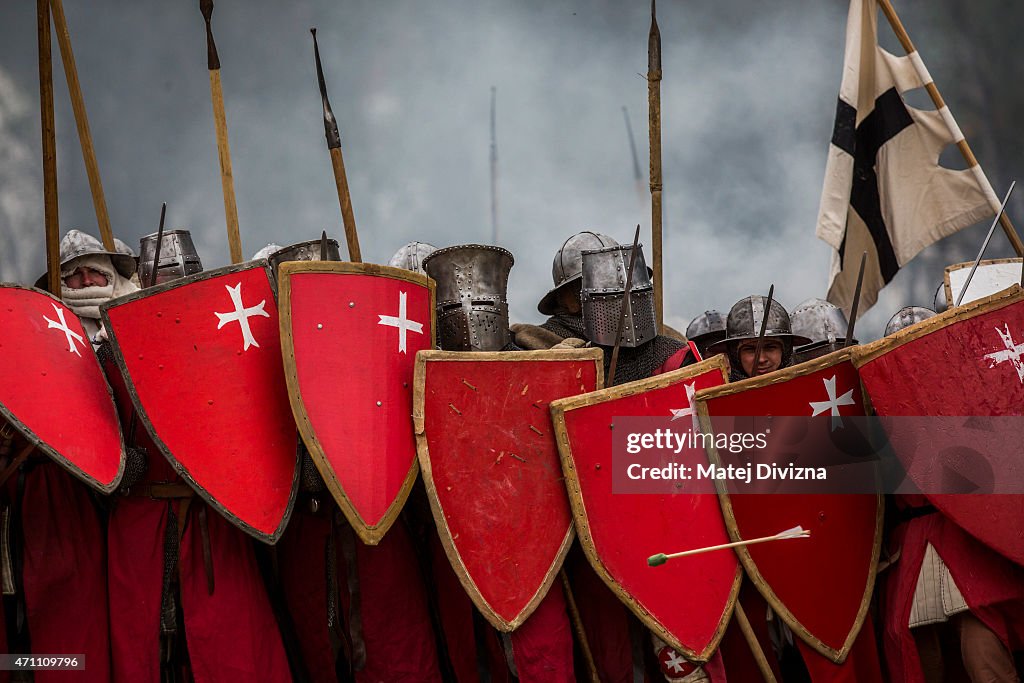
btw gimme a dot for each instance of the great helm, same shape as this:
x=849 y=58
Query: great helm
x=907 y=316
x=410 y=257
x=823 y=323
x=303 y=251
x=745 y=318
x=568 y=264
x=178 y=257
x=603 y=296
x=706 y=329
x=472 y=286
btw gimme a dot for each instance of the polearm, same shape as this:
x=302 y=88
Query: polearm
x=50 y=215
x=654 y=125
x=856 y=300
x=637 y=175
x=337 y=161
x=156 y=249
x=754 y=372
x=622 y=311
x=494 y=165
x=92 y=169
x=984 y=245
x=951 y=125
x=227 y=180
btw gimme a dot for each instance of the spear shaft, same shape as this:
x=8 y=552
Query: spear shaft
x=49 y=138
x=654 y=126
x=220 y=122
x=754 y=371
x=337 y=161
x=494 y=165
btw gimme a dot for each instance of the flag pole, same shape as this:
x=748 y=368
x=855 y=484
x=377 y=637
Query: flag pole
x=50 y=215
x=654 y=126
x=227 y=179
x=951 y=125
x=92 y=169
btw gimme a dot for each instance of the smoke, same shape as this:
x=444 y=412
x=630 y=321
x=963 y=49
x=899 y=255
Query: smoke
x=748 y=98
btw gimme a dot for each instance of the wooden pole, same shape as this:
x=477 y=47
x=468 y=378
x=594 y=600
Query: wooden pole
x=337 y=162
x=654 y=128
x=227 y=180
x=92 y=169
x=755 y=647
x=577 y=623
x=50 y=210
x=961 y=142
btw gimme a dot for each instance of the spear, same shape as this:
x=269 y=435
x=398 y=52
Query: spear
x=760 y=336
x=856 y=300
x=623 y=309
x=220 y=121
x=984 y=246
x=795 y=532
x=156 y=250
x=50 y=215
x=494 y=165
x=92 y=169
x=654 y=125
x=637 y=176
x=337 y=162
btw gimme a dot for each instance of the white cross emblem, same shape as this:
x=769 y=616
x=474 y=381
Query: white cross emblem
x=680 y=413
x=1011 y=352
x=241 y=315
x=833 y=403
x=403 y=324
x=71 y=337
x=675 y=662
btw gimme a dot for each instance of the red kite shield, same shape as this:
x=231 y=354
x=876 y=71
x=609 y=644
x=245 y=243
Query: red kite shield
x=490 y=463
x=350 y=335
x=54 y=391
x=820 y=586
x=964 y=362
x=201 y=357
x=688 y=601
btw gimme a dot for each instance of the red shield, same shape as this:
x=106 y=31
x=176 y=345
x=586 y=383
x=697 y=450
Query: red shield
x=820 y=586
x=53 y=390
x=201 y=358
x=966 y=361
x=688 y=601
x=350 y=335
x=490 y=464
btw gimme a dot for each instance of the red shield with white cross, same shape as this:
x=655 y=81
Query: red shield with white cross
x=53 y=390
x=350 y=333
x=490 y=464
x=201 y=357
x=820 y=585
x=967 y=361
x=688 y=601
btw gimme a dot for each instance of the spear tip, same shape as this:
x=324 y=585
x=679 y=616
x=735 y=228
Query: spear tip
x=313 y=31
x=206 y=7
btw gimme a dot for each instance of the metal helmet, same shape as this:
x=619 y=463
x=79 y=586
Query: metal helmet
x=603 y=292
x=410 y=257
x=266 y=251
x=77 y=243
x=178 y=257
x=823 y=323
x=568 y=264
x=706 y=329
x=745 y=318
x=907 y=316
x=472 y=305
x=303 y=251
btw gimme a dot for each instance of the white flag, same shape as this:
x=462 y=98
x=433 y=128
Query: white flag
x=884 y=190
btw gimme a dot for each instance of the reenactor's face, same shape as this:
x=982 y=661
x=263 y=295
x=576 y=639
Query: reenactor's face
x=85 y=277
x=569 y=299
x=771 y=356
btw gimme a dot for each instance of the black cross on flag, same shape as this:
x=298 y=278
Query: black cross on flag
x=884 y=190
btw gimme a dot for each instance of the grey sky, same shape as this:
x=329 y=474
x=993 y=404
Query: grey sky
x=748 y=101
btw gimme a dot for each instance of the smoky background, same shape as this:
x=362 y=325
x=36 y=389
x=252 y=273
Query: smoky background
x=748 y=100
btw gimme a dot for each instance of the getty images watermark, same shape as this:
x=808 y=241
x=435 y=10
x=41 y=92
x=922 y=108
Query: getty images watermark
x=815 y=455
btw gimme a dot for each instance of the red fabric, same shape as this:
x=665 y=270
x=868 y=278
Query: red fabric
x=674 y=362
x=542 y=646
x=992 y=586
x=302 y=561
x=397 y=631
x=605 y=621
x=861 y=665
x=740 y=664
x=65 y=573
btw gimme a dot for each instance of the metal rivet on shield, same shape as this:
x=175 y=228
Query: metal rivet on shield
x=159 y=314
x=210 y=402
x=405 y=384
x=160 y=367
x=351 y=304
x=379 y=404
x=140 y=356
x=44 y=373
x=319 y=326
x=597 y=466
x=177 y=320
x=821 y=516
